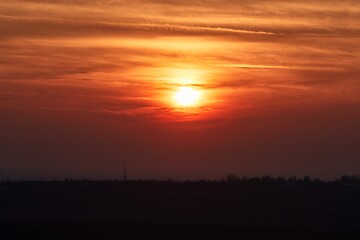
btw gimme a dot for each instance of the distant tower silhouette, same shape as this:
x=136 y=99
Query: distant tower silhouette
x=125 y=173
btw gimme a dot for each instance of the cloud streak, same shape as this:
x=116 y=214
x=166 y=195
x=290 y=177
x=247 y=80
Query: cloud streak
x=123 y=26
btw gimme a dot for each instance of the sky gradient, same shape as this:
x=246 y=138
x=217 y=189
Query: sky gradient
x=88 y=85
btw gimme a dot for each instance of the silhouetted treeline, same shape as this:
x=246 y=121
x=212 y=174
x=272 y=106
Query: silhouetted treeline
x=349 y=179
x=230 y=178
x=345 y=179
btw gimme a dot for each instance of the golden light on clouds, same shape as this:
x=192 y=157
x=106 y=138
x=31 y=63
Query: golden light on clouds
x=158 y=57
x=245 y=75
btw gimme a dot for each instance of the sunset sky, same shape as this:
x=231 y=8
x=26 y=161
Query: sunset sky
x=187 y=89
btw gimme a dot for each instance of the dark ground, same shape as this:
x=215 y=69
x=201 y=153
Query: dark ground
x=173 y=210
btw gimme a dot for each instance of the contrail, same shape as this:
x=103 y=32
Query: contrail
x=133 y=26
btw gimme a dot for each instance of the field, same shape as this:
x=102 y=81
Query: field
x=182 y=210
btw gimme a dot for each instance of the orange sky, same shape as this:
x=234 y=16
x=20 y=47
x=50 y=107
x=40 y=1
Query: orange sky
x=86 y=85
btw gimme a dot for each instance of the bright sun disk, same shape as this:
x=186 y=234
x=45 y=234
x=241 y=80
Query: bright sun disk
x=187 y=96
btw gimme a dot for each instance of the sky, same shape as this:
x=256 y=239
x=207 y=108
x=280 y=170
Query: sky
x=86 y=86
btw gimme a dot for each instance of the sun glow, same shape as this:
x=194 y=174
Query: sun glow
x=187 y=97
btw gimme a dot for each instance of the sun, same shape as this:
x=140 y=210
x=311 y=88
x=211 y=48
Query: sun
x=187 y=97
